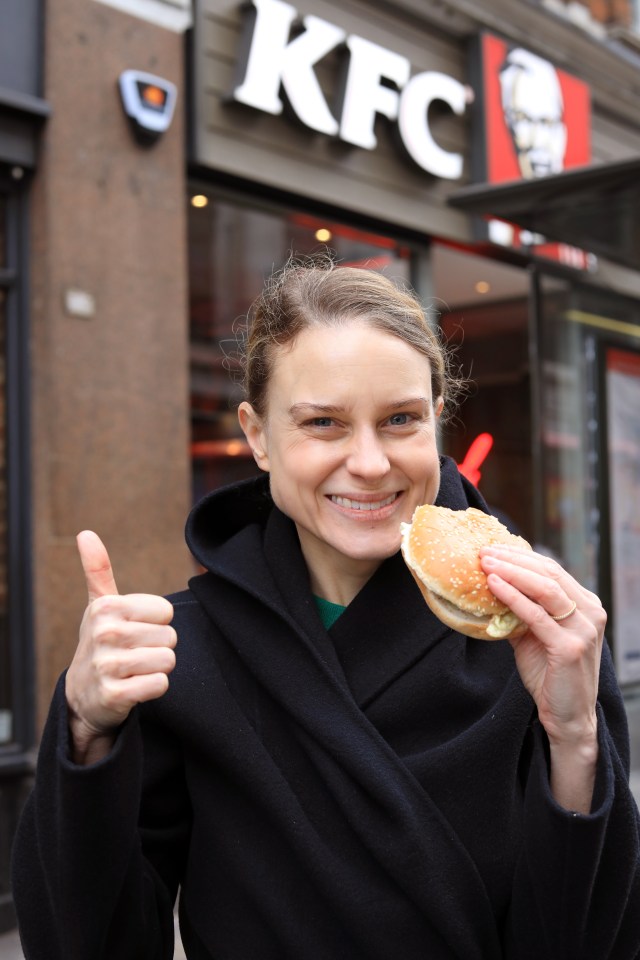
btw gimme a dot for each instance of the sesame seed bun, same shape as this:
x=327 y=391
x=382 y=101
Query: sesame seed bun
x=441 y=548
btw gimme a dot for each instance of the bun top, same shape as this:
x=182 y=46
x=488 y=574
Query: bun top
x=442 y=547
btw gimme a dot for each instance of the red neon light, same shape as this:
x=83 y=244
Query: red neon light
x=475 y=457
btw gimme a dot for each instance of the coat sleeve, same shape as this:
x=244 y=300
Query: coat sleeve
x=91 y=880
x=576 y=893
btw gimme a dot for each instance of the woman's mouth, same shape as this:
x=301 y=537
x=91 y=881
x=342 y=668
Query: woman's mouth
x=365 y=505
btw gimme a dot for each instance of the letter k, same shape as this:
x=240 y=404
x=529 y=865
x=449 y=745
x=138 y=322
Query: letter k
x=274 y=61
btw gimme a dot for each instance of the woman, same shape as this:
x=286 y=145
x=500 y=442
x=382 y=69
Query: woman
x=330 y=772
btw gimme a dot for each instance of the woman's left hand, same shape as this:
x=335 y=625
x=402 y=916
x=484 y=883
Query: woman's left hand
x=558 y=658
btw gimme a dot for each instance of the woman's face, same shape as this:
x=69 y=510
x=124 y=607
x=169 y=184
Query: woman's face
x=349 y=440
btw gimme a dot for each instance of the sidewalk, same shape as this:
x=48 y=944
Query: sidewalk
x=10 y=946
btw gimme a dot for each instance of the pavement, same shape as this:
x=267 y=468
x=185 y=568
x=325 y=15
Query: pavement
x=10 y=946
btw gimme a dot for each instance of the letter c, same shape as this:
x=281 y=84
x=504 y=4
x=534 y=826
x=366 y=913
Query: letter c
x=413 y=121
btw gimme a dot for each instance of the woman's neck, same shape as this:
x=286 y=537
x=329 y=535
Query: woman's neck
x=337 y=579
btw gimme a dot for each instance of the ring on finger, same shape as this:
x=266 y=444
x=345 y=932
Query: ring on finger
x=563 y=616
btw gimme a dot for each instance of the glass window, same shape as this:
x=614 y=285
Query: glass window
x=6 y=725
x=580 y=327
x=233 y=248
x=483 y=307
x=3 y=215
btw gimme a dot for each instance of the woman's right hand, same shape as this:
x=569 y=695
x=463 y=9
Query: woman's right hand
x=124 y=655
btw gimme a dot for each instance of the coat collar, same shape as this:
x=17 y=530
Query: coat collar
x=387 y=626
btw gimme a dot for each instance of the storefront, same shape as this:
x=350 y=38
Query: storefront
x=393 y=134
x=22 y=113
x=316 y=127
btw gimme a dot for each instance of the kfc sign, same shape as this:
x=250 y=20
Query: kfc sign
x=378 y=81
x=533 y=120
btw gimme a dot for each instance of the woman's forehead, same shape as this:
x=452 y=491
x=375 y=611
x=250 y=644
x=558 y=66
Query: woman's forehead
x=340 y=362
x=351 y=343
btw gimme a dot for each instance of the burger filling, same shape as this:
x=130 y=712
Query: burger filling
x=498 y=626
x=501 y=624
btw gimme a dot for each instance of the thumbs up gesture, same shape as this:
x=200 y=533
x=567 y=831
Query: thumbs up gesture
x=124 y=655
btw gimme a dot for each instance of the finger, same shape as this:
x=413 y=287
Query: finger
x=136 y=608
x=137 y=662
x=128 y=635
x=544 y=590
x=126 y=693
x=524 y=603
x=96 y=565
x=541 y=564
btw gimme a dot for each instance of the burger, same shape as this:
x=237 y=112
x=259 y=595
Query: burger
x=441 y=548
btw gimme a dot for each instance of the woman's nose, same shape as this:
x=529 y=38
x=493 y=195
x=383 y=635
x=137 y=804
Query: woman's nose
x=367 y=457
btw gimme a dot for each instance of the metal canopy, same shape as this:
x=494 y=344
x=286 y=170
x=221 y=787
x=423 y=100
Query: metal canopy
x=595 y=208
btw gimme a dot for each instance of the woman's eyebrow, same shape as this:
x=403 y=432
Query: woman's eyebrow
x=409 y=402
x=306 y=408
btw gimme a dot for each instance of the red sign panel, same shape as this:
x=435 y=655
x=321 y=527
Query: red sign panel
x=533 y=120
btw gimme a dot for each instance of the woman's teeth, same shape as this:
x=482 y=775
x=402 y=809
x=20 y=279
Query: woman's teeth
x=363 y=504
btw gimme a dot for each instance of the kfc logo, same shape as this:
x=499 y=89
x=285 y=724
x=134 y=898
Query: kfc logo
x=533 y=120
x=282 y=52
x=533 y=110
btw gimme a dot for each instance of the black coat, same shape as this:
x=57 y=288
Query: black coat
x=375 y=792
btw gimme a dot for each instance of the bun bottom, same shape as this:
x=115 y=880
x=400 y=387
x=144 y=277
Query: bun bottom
x=459 y=620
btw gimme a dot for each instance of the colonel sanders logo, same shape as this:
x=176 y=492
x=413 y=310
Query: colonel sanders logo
x=533 y=109
x=534 y=120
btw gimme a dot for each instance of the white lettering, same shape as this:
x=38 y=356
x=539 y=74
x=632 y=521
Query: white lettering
x=413 y=121
x=274 y=61
x=364 y=95
x=277 y=62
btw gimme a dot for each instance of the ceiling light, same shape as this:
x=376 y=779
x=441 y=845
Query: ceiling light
x=323 y=235
x=234 y=448
x=482 y=286
x=199 y=200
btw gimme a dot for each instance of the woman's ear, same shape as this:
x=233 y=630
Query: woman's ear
x=254 y=430
x=438 y=407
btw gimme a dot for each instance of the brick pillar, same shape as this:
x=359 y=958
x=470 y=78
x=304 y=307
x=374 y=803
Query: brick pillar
x=110 y=389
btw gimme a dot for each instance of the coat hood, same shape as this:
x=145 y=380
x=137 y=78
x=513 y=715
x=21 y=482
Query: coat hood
x=223 y=513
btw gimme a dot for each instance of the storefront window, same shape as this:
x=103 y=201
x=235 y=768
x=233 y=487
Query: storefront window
x=233 y=248
x=483 y=307
x=591 y=449
x=6 y=725
x=569 y=425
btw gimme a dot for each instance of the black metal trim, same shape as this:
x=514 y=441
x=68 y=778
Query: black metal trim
x=18 y=475
x=24 y=103
x=565 y=205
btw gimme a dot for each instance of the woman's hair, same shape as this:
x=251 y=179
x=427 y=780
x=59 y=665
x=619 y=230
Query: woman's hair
x=316 y=292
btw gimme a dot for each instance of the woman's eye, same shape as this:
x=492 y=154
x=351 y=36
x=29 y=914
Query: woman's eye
x=399 y=419
x=321 y=422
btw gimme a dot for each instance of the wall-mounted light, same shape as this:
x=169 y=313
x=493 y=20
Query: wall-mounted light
x=199 y=200
x=149 y=102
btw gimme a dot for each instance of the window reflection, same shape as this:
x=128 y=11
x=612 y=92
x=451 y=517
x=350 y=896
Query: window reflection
x=232 y=250
x=3 y=206
x=5 y=663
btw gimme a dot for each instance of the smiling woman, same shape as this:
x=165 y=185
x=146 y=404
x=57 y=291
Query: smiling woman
x=348 y=437
x=329 y=770
x=345 y=381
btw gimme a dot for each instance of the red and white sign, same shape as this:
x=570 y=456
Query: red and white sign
x=533 y=120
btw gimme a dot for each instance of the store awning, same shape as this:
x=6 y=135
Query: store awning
x=594 y=208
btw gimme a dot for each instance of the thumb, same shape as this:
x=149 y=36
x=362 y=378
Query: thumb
x=96 y=565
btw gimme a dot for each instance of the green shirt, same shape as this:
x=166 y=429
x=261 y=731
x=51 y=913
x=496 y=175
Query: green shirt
x=329 y=612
